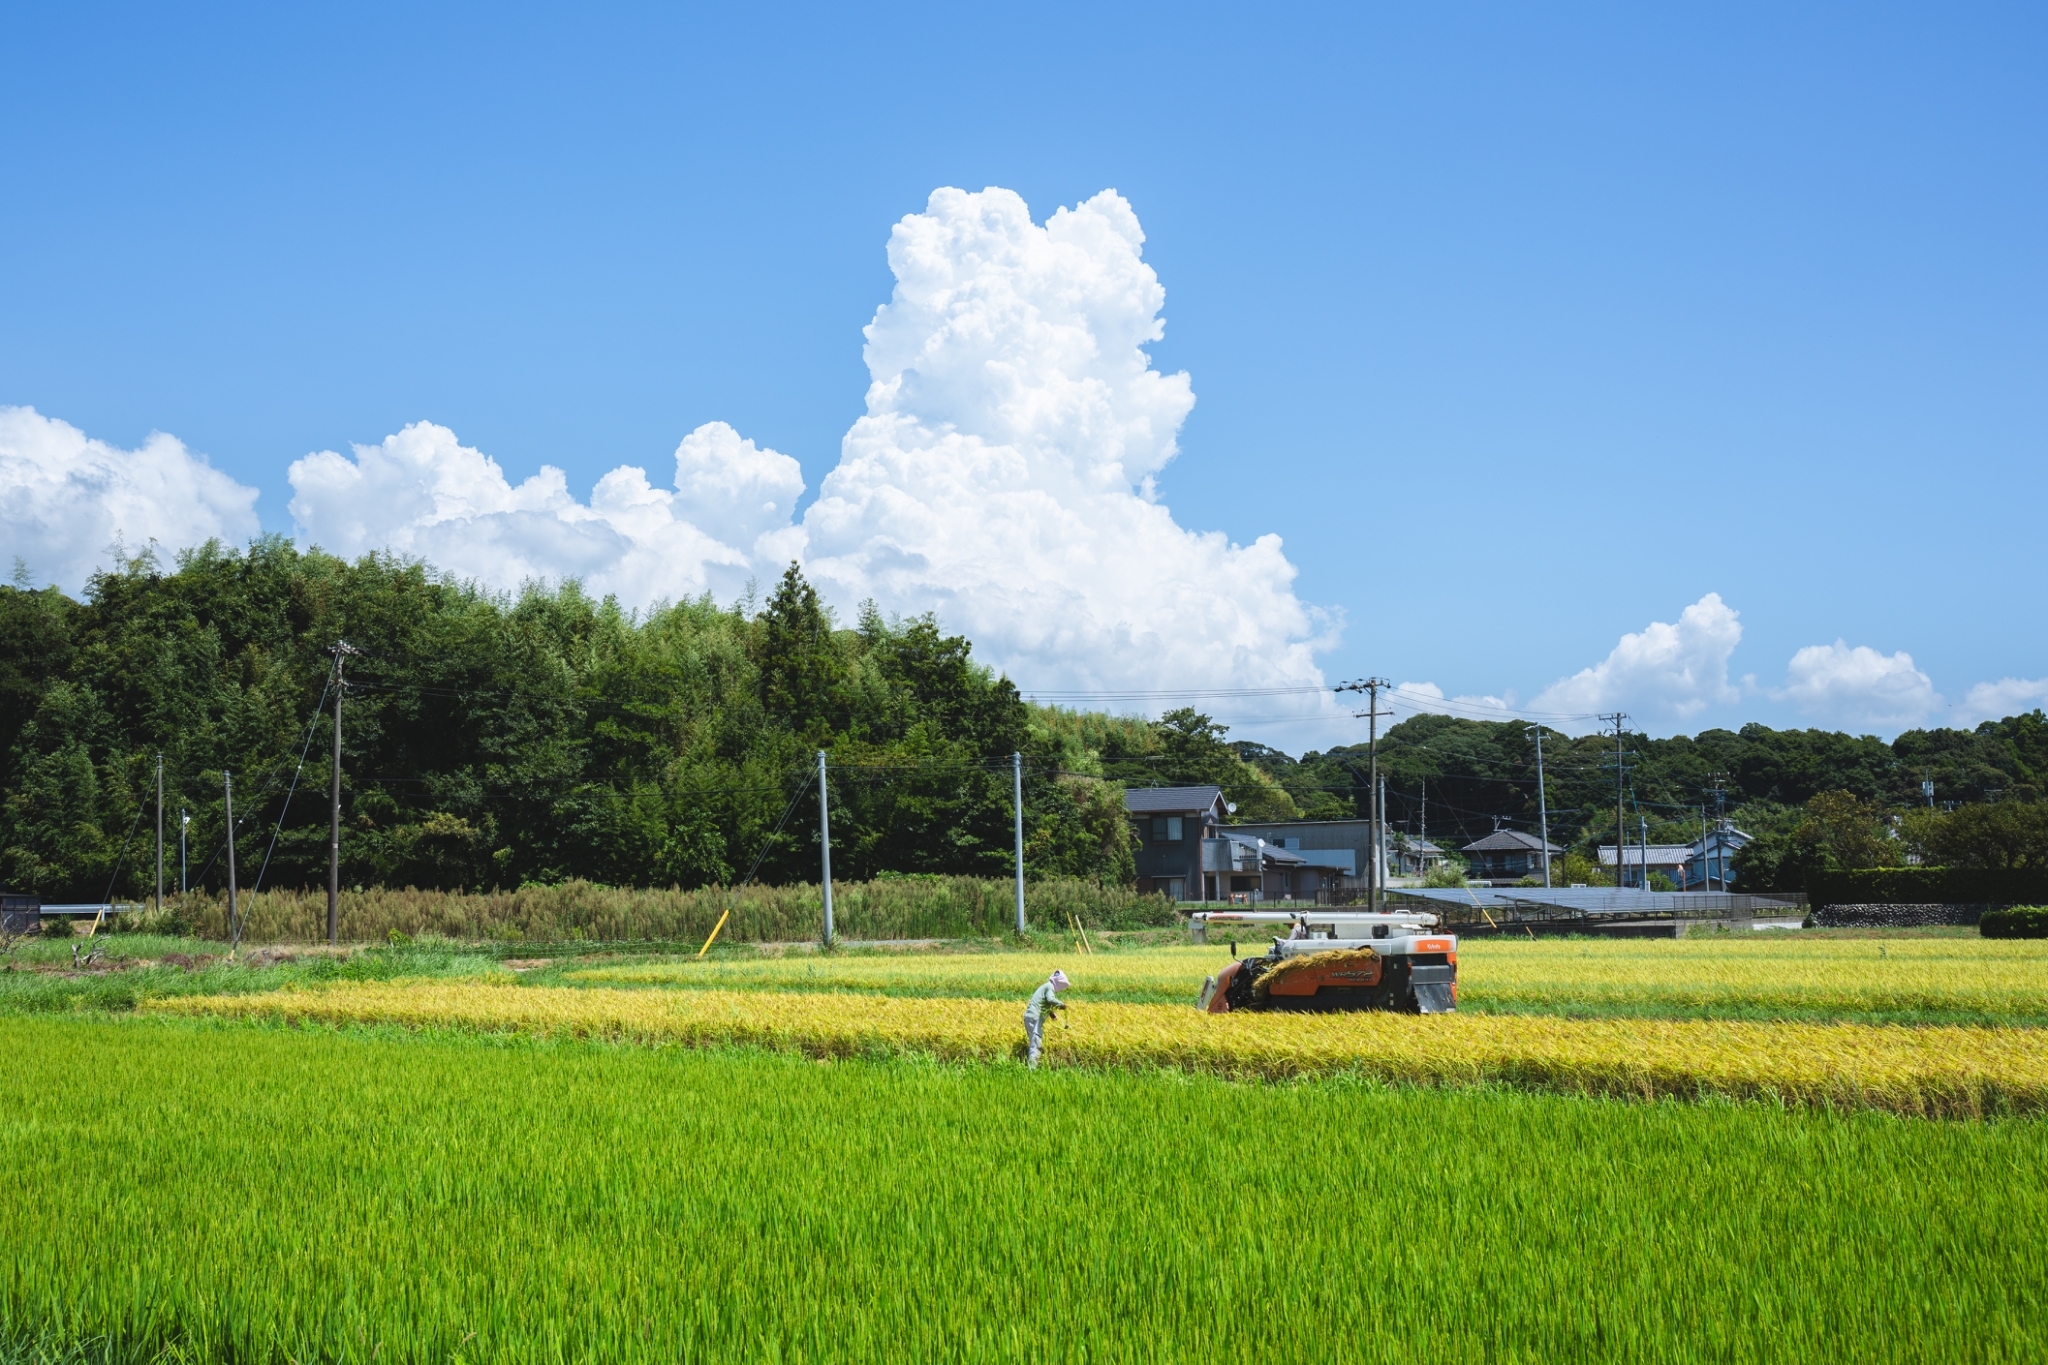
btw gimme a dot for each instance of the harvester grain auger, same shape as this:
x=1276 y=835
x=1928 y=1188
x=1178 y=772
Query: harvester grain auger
x=1338 y=960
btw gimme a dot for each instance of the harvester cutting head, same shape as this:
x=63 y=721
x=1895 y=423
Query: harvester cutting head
x=1341 y=961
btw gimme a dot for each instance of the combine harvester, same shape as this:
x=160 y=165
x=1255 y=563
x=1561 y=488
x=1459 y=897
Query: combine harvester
x=1338 y=960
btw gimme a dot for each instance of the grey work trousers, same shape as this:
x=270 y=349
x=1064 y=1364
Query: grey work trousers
x=1034 y=1033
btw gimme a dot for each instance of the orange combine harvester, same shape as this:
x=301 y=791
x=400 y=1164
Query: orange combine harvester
x=1338 y=960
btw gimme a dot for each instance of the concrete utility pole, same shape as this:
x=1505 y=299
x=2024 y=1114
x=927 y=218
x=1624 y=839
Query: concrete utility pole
x=1706 y=877
x=1720 y=799
x=159 y=834
x=342 y=649
x=825 y=845
x=184 y=826
x=1620 y=817
x=1643 y=868
x=1542 y=809
x=1017 y=802
x=1375 y=891
x=1381 y=870
x=234 y=909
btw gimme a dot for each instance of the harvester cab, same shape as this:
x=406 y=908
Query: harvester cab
x=1339 y=960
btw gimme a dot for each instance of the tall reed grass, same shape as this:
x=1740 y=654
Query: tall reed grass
x=889 y=908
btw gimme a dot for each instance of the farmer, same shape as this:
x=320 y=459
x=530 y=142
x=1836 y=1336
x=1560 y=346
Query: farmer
x=1044 y=999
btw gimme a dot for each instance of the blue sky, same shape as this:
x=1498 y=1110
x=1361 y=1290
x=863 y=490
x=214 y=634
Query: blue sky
x=1523 y=327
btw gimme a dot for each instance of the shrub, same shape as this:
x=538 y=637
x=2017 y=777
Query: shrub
x=2022 y=921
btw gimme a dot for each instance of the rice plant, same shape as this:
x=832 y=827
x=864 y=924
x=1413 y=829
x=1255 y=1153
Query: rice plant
x=1933 y=1071
x=197 y=1192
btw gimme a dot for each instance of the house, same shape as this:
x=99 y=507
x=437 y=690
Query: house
x=1668 y=859
x=1342 y=845
x=1172 y=825
x=1506 y=856
x=1414 y=857
x=1710 y=869
x=1185 y=852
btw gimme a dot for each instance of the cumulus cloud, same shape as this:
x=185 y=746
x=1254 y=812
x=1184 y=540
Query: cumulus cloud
x=1858 y=686
x=1426 y=698
x=422 y=492
x=1003 y=473
x=1668 y=671
x=1002 y=477
x=66 y=500
x=1997 y=700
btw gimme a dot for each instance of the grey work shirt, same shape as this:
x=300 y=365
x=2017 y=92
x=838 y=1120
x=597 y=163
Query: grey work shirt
x=1040 y=998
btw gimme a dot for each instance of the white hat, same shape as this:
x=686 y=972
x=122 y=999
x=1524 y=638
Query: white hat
x=1059 y=979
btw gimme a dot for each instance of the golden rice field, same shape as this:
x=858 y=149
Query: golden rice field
x=1930 y=1071
x=1942 y=979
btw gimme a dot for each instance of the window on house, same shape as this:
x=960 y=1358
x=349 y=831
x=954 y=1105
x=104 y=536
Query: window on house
x=1166 y=829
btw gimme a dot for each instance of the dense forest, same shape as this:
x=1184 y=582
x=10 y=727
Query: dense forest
x=496 y=741
x=502 y=740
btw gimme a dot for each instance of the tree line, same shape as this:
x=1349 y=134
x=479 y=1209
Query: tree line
x=500 y=740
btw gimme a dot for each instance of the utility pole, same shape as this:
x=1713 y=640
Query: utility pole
x=825 y=845
x=1643 y=868
x=1371 y=687
x=1017 y=801
x=159 y=834
x=1542 y=809
x=1620 y=819
x=1425 y=808
x=342 y=649
x=1720 y=801
x=234 y=910
x=1381 y=870
x=184 y=826
x=1706 y=880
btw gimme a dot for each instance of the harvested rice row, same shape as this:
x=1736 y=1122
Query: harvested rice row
x=1935 y=1072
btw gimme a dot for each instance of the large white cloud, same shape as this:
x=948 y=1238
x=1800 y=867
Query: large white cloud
x=1667 y=672
x=422 y=492
x=66 y=500
x=1846 y=685
x=1002 y=475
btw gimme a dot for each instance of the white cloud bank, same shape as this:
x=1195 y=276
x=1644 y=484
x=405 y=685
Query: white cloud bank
x=1858 y=686
x=1001 y=477
x=1667 y=672
x=67 y=500
x=423 y=493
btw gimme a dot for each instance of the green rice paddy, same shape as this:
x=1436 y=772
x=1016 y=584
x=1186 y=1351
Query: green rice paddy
x=182 y=1190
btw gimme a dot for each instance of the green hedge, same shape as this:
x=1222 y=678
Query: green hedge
x=2024 y=921
x=1929 y=886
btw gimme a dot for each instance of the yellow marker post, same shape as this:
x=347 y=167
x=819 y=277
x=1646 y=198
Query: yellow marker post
x=714 y=932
